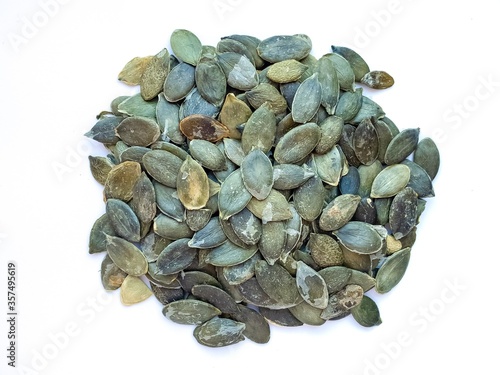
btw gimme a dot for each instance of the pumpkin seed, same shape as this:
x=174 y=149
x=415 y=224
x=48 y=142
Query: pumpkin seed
x=392 y=271
x=366 y=313
x=126 y=256
x=186 y=46
x=219 y=332
x=133 y=290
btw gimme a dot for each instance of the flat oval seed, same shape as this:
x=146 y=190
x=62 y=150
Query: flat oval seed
x=330 y=87
x=239 y=70
x=192 y=185
x=97 y=239
x=307 y=100
x=143 y=202
x=309 y=198
x=390 y=181
x=377 y=79
x=216 y=297
x=286 y=71
x=219 y=332
x=365 y=142
x=123 y=220
x=121 y=180
x=290 y=176
x=358 y=64
x=336 y=277
x=175 y=257
x=100 y=167
x=137 y=106
x=207 y=154
x=203 y=127
x=171 y=229
x=210 y=236
x=234 y=112
x=133 y=290
x=265 y=93
x=339 y=211
x=359 y=237
x=179 y=82
x=367 y=313
x=257 y=174
x=392 y=271
x=419 y=181
x=256 y=327
x=210 y=81
x=104 y=130
x=229 y=254
x=273 y=208
x=246 y=226
x=126 y=256
x=186 y=46
x=168 y=201
x=403 y=212
x=331 y=131
x=284 y=47
x=259 y=131
x=325 y=251
x=138 y=131
x=427 y=156
x=163 y=166
x=154 y=75
x=299 y=142
x=401 y=146
x=277 y=283
x=190 y=311
x=272 y=241
x=233 y=196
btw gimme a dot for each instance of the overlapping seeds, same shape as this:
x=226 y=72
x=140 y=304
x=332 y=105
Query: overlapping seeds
x=252 y=183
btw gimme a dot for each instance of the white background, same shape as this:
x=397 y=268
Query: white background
x=58 y=69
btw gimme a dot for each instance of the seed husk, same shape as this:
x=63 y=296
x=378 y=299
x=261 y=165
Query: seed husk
x=132 y=71
x=299 y=142
x=112 y=276
x=192 y=185
x=359 y=237
x=175 y=257
x=257 y=174
x=367 y=313
x=286 y=71
x=401 y=146
x=186 y=46
x=126 y=256
x=123 y=220
x=219 y=332
x=162 y=166
x=284 y=47
x=121 y=180
x=133 y=290
x=179 y=82
x=203 y=127
x=392 y=271
x=155 y=71
x=403 y=212
x=427 y=156
x=390 y=181
x=307 y=100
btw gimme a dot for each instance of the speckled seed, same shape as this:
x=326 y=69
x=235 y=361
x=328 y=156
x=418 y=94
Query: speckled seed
x=277 y=283
x=126 y=256
x=311 y=286
x=257 y=174
x=154 y=74
x=403 y=212
x=299 y=142
x=190 y=311
x=267 y=93
x=175 y=257
x=427 y=156
x=286 y=71
x=272 y=241
x=365 y=142
x=307 y=100
x=259 y=130
x=219 y=332
x=331 y=131
x=203 y=127
x=340 y=303
x=390 y=181
x=234 y=112
x=121 y=180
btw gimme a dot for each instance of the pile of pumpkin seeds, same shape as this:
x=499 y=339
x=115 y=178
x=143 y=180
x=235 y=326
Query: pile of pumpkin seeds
x=251 y=183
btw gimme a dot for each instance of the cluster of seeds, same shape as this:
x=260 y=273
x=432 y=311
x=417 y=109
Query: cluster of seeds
x=251 y=183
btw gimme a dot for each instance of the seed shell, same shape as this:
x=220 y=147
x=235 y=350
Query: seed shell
x=126 y=256
x=133 y=290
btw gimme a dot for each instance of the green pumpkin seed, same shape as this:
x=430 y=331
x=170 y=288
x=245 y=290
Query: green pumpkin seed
x=338 y=212
x=251 y=43
x=280 y=317
x=210 y=81
x=168 y=201
x=299 y=142
x=311 y=286
x=290 y=176
x=286 y=71
x=307 y=100
x=427 y=156
x=121 y=180
x=403 y=212
x=331 y=131
x=186 y=46
x=390 y=181
x=277 y=283
x=329 y=166
x=359 y=237
x=195 y=104
x=242 y=272
x=166 y=295
x=123 y=220
x=190 y=311
x=239 y=70
x=401 y=146
x=179 y=82
x=246 y=226
x=309 y=197
x=336 y=277
x=345 y=73
x=273 y=208
x=265 y=93
x=175 y=257
x=137 y=106
x=97 y=239
x=171 y=229
x=365 y=142
x=210 y=236
x=259 y=130
x=100 y=167
x=419 y=181
x=234 y=112
x=207 y=154
x=252 y=293
x=257 y=174
x=229 y=254
x=357 y=63
x=215 y=296
x=272 y=241
x=392 y=271
x=162 y=166
x=219 y=332
x=203 y=127
x=330 y=87
x=284 y=47
x=307 y=314
x=367 y=313
x=167 y=116
x=233 y=196
x=126 y=256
